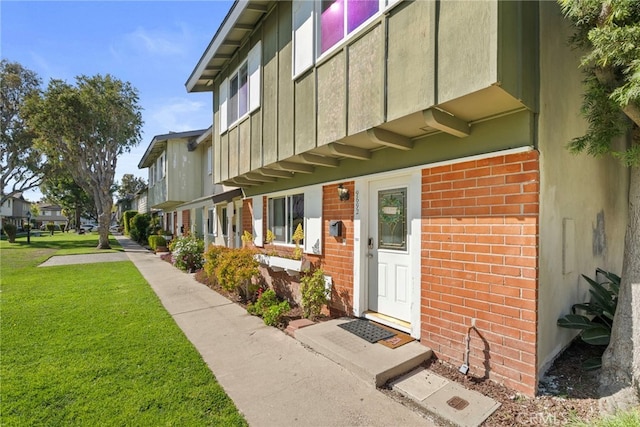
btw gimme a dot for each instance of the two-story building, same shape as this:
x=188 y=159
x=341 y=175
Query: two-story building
x=14 y=211
x=181 y=189
x=422 y=146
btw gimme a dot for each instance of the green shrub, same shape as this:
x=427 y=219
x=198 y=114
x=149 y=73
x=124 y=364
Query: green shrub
x=212 y=258
x=140 y=223
x=269 y=308
x=51 y=227
x=10 y=230
x=155 y=241
x=236 y=269
x=126 y=220
x=187 y=253
x=314 y=294
x=596 y=329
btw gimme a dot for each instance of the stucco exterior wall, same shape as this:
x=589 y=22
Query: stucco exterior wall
x=583 y=200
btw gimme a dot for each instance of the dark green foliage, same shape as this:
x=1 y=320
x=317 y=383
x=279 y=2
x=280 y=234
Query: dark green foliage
x=155 y=241
x=269 y=308
x=10 y=230
x=126 y=219
x=597 y=320
x=138 y=227
x=610 y=34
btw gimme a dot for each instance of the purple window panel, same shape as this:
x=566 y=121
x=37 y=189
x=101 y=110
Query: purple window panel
x=331 y=23
x=359 y=11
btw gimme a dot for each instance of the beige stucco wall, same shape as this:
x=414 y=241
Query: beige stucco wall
x=583 y=200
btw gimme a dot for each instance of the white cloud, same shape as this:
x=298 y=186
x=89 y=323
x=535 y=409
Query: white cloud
x=177 y=115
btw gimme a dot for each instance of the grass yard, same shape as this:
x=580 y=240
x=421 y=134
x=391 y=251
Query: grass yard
x=92 y=345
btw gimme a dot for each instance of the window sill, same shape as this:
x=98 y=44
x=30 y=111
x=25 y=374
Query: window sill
x=293 y=267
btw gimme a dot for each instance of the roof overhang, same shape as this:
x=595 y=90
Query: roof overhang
x=239 y=22
x=159 y=144
x=227 y=196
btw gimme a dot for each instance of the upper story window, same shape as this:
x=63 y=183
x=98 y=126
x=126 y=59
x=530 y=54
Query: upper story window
x=322 y=24
x=240 y=92
x=209 y=160
x=284 y=214
x=152 y=174
x=160 y=170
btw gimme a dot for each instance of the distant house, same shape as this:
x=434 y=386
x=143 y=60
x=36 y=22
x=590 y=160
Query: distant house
x=421 y=145
x=50 y=213
x=14 y=211
x=181 y=191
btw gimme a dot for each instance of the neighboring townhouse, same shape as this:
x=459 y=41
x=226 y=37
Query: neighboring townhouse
x=141 y=200
x=50 y=214
x=181 y=189
x=14 y=211
x=422 y=146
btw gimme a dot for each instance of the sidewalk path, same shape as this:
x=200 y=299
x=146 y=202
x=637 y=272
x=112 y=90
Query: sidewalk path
x=271 y=377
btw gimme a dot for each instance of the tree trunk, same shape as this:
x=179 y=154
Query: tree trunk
x=104 y=205
x=620 y=375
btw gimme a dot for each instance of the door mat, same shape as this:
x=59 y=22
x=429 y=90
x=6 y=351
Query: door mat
x=399 y=338
x=366 y=330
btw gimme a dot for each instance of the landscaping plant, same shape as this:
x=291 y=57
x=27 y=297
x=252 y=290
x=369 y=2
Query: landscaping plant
x=187 y=253
x=297 y=237
x=599 y=312
x=269 y=308
x=156 y=241
x=212 y=258
x=314 y=294
x=10 y=230
x=236 y=271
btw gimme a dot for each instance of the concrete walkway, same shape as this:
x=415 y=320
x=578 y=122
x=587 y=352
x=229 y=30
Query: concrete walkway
x=273 y=379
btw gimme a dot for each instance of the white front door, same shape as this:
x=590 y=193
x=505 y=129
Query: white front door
x=389 y=279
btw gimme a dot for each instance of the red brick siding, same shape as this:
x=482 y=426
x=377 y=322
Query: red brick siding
x=247 y=216
x=337 y=261
x=480 y=260
x=186 y=221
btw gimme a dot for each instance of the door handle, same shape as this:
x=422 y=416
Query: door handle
x=370 y=243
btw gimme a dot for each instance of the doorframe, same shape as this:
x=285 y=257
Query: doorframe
x=361 y=224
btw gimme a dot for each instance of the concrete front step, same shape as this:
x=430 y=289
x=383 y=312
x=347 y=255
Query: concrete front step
x=374 y=363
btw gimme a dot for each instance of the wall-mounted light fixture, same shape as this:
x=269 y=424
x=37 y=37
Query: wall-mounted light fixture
x=343 y=193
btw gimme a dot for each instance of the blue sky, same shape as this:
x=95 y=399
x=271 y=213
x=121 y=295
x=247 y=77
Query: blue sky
x=154 y=45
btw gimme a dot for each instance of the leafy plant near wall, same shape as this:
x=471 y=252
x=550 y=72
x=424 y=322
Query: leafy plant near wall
x=599 y=312
x=270 y=237
x=269 y=308
x=212 y=258
x=314 y=294
x=187 y=253
x=298 y=236
x=156 y=241
x=236 y=270
x=246 y=237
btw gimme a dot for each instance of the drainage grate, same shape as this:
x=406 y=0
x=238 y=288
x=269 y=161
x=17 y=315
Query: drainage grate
x=458 y=403
x=367 y=330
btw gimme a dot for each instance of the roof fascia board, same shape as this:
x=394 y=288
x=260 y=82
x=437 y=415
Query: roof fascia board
x=217 y=41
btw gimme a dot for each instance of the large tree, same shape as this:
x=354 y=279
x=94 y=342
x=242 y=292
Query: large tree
x=22 y=166
x=130 y=185
x=609 y=33
x=86 y=127
x=61 y=189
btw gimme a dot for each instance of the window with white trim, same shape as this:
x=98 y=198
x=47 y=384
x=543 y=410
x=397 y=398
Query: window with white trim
x=322 y=24
x=152 y=174
x=240 y=92
x=212 y=222
x=284 y=213
x=209 y=160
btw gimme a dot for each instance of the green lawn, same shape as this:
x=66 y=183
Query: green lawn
x=92 y=345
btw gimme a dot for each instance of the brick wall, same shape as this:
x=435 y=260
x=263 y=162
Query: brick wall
x=338 y=251
x=186 y=221
x=479 y=261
